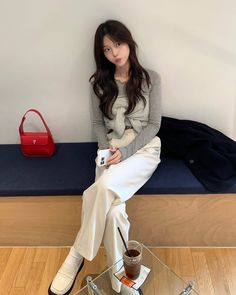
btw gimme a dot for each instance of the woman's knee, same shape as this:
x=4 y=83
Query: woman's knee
x=99 y=191
x=117 y=214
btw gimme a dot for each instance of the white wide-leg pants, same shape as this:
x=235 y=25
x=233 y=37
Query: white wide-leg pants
x=104 y=207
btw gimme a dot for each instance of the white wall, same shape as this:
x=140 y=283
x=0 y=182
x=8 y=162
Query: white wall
x=46 y=59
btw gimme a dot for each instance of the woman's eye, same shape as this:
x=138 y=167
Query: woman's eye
x=106 y=50
x=118 y=44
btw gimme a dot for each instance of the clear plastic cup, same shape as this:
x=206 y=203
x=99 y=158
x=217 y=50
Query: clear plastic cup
x=132 y=263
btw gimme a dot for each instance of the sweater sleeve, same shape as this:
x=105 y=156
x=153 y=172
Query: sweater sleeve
x=98 y=121
x=154 y=122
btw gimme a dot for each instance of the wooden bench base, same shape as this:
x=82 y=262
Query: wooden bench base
x=156 y=220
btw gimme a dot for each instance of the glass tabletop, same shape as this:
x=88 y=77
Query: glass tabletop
x=160 y=281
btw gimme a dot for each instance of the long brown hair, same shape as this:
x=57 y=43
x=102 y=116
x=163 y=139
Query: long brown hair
x=104 y=84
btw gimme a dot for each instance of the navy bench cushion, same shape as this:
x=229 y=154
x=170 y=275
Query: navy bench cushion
x=72 y=169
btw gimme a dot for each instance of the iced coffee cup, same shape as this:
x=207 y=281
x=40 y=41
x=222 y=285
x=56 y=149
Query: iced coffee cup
x=132 y=259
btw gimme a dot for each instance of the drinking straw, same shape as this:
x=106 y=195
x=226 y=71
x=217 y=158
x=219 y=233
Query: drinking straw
x=124 y=242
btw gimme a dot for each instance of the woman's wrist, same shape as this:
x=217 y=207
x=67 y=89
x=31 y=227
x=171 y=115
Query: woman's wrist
x=116 y=156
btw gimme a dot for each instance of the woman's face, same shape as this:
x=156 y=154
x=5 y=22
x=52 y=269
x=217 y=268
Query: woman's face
x=116 y=52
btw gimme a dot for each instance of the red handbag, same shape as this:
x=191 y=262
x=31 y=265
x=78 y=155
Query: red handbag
x=36 y=144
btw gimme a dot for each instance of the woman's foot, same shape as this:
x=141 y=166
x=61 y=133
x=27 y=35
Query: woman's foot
x=64 y=280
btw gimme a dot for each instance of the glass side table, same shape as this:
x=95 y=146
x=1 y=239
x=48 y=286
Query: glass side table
x=160 y=281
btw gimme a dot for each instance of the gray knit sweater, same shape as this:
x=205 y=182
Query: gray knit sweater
x=144 y=120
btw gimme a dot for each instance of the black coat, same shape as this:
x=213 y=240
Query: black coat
x=210 y=155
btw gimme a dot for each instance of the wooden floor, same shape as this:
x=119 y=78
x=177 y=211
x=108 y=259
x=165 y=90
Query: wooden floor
x=29 y=271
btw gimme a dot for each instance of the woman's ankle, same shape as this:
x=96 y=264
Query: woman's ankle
x=73 y=258
x=75 y=253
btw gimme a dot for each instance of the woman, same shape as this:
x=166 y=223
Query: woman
x=126 y=104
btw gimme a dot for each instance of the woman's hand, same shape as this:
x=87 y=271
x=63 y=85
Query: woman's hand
x=115 y=158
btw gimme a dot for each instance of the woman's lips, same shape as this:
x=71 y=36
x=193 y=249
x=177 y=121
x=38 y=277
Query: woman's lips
x=118 y=60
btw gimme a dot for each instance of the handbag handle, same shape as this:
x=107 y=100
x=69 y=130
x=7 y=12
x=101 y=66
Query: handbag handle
x=21 y=130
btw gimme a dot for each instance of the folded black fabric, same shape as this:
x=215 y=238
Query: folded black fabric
x=210 y=155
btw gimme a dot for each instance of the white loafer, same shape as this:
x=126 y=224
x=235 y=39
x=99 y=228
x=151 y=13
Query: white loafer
x=64 y=280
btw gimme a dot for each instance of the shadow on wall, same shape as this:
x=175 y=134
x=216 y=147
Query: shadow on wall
x=196 y=42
